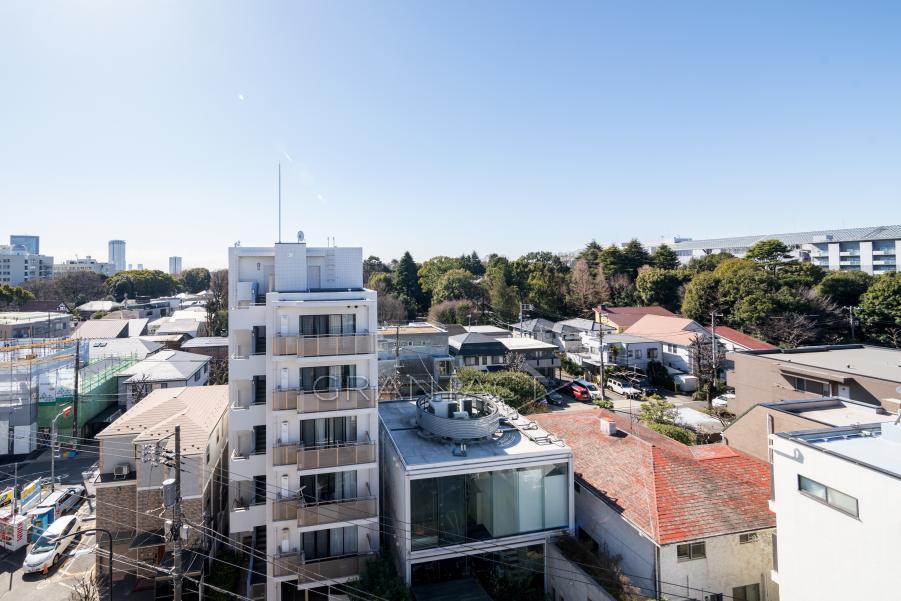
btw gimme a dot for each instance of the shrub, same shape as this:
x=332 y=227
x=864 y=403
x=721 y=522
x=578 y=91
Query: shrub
x=677 y=433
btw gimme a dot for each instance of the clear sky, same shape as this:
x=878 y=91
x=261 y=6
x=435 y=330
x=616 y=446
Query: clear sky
x=442 y=127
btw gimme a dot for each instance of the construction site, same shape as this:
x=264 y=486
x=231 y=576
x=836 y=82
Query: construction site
x=40 y=384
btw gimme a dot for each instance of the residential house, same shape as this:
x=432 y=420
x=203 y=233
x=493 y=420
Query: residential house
x=478 y=485
x=88 y=309
x=568 y=333
x=303 y=377
x=34 y=324
x=868 y=374
x=836 y=495
x=128 y=489
x=751 y=431
x=538 y=329
x=122 y=348
x=676 y=335
x=414 y=357
x=215 y=347
x=688 y=522
x=537 y=358
x=163 y=369
x=620 y=319
x=170 y=341
x=490 y=331
x=111 y=328
x=478 y=351
x=622 y=350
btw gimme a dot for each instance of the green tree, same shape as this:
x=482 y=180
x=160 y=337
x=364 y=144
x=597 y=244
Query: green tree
x=658 y=411
x=455 y=284
x=800 y=275
x=372 y=265
x=541 y=277
x=591 y=254
x=769 y=253
x=708 y=262
x=518 y=389
x=431 y=271
x=472 y=263
x=611 y=259
x=141 y=282
x=635 y=256
x=845 y=287
x=702 y=297
x=665 y=258
x=405 y=284
x=196 y=279
x=503 y=298
x=657 y=286
x=677 y=433
x=880 y=310
x=14 y=295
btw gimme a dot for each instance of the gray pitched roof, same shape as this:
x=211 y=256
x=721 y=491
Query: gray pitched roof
x=165 y=366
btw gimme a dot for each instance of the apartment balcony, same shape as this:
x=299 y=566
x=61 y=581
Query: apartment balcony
x=849 y=253
x=324 y=456
x=883 y=252
x=246 y=513
x=324 y=346
x=324 y=400
x=890 y=261
x=325 y=512
x=318 y=570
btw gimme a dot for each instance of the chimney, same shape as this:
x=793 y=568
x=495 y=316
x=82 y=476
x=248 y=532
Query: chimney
x=608 y=426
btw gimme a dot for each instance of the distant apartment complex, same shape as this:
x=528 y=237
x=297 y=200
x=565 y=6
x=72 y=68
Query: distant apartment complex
x=174 y=265
x=85 y=264
x=303 y=384
x=870 y=249
x=18 y=265
x=32 y=244
x=117 y=254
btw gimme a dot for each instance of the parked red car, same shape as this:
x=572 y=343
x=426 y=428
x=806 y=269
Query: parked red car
x=577 y=391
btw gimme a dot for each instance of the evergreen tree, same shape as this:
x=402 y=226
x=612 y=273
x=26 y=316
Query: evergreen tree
x=405 y=283
x=665 y=258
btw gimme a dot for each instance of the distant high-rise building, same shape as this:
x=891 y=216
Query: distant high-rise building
x=174 y=265
x=84 y=264
x=31 y=243
x=117 y=254
x=18 y=266
x=140 y=266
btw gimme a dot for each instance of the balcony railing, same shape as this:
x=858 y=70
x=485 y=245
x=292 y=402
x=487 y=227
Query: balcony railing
x=293 y=564
x=321 y=346
x=284 y=453
x=324 y=400
x=324 y=512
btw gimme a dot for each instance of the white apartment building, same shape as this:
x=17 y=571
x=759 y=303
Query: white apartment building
x=303 y=383
x=470 y=486
x=85 y=264
x=870 y=249
x=18 y=266
x=836 y=494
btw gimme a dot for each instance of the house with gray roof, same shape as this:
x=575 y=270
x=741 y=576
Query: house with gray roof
x=164 y=369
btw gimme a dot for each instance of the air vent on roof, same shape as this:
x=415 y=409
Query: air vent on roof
x=608 y=427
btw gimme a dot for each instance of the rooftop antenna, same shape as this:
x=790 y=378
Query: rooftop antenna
x=279 y=201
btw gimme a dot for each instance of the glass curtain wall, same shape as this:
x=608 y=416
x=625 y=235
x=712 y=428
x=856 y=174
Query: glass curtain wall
x=453 y=509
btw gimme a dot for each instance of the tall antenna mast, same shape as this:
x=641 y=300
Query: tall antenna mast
x=279 y=201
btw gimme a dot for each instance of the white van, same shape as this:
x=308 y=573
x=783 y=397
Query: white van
x=47 y=550
x=63 y=500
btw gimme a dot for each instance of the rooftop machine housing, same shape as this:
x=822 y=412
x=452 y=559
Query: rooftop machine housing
x=457 y=416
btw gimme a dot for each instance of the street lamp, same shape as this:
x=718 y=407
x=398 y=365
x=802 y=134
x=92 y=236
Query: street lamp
x=65 y=412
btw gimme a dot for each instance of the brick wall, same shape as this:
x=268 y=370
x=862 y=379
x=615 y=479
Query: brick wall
x=115 y=507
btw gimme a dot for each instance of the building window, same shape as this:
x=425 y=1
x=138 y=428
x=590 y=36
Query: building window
x=470 y=361
x=638 y=353
x=805 y=385
x=750 y=537
x=690 y=551
x=714 y=597
x=335 y=324
x=748 y=592
x=829 y=496
x=652 y=353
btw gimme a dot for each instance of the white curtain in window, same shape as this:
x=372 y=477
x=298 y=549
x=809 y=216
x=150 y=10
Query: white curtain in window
x=334 y=324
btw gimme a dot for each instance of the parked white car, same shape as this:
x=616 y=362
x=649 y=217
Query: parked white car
x=723 y=400
x=623 y=387
x=51 y=545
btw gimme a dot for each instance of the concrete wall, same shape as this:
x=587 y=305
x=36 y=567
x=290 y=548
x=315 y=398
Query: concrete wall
x=827 y=554
x=566 y=580
x=749 y=433
x=728 y=564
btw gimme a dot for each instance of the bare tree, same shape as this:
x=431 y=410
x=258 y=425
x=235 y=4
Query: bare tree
x=602 y=288
x=391 y=308
x=218 y=371
x=86 y=588
x=582 y=290
x=706 y=366
x=140 y=389
x=792 y=329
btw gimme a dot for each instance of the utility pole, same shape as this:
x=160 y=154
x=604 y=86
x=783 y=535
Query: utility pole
x=171 y=498
x=713 y=355
x=75 y=394
x=176 y=516
x=851 y=319
x=601 y=352
x=53 y=438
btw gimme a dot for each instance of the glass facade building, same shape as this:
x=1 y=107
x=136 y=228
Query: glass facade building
x=450 y=510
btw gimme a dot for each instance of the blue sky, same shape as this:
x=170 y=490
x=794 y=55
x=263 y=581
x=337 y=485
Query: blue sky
x=442 y=127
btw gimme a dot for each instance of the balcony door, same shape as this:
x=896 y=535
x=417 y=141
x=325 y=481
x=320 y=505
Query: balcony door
x=329 y=431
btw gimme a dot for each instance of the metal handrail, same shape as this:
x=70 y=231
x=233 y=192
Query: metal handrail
x=334 y=445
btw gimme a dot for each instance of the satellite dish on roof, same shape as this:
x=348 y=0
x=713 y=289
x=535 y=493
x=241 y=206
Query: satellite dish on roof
x=300 y=235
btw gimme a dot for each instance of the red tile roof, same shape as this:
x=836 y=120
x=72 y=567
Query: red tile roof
x=624 y=317
x=744 y=340
x=671 y=491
